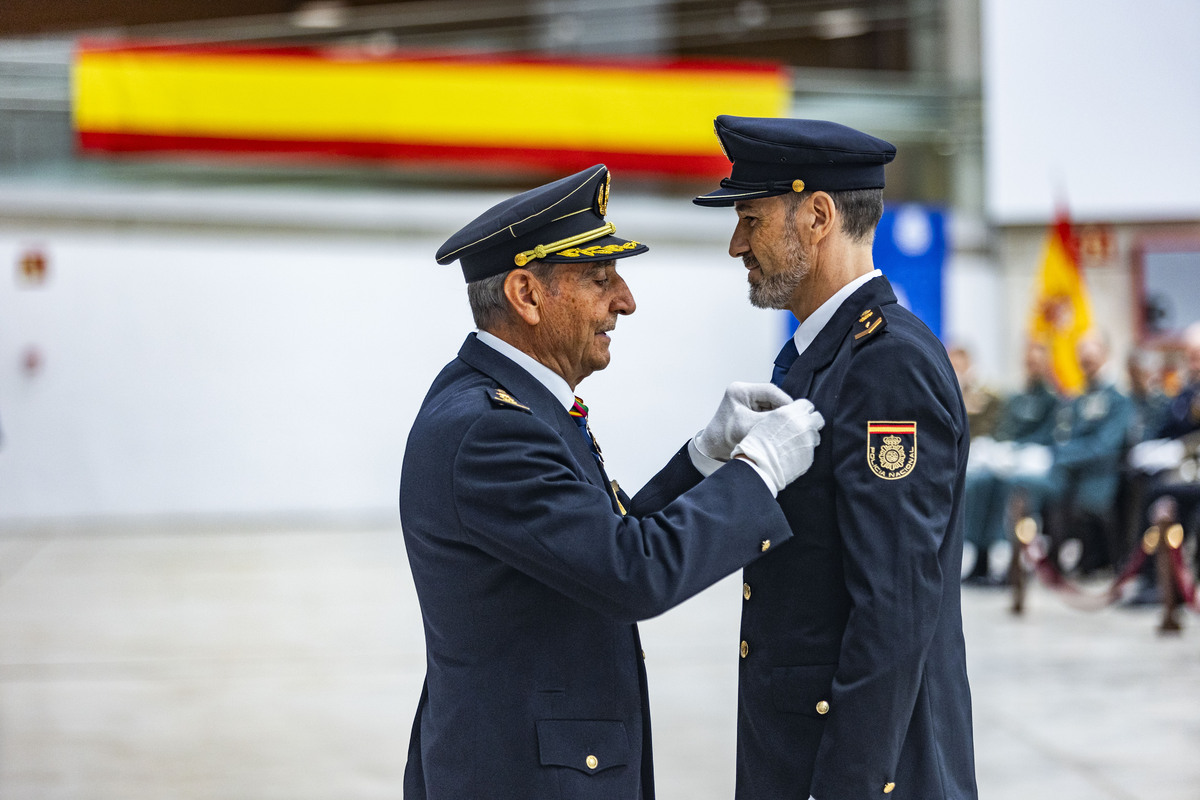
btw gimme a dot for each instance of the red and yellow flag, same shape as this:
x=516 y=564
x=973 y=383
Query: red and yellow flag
x=456 y=111
x=1061 y=311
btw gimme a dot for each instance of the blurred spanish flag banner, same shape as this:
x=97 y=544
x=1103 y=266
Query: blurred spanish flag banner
x=1061 y=311
x=454 y=111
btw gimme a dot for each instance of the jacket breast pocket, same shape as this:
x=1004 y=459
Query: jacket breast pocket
x=803 y=690
x=587 y=745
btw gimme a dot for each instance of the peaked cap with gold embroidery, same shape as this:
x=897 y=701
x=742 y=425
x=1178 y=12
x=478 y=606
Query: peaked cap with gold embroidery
x=561 y=222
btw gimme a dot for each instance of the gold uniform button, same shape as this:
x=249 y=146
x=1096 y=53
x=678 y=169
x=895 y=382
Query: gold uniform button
x=823 y=707
x=766 y=545
x=887 y=787
x=593 y=762
x=745 y=649
x=746 y=591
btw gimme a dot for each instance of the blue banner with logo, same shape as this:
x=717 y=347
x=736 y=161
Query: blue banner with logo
x=910 y=248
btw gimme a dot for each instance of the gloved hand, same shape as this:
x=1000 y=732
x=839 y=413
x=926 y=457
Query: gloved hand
x=1156 y=455
x=743 y=405
x=1033 y=460
x=782 y=444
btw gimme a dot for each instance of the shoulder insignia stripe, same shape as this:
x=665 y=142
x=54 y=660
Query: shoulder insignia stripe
x=867 y=331
x=870 y=322
x=503 y=399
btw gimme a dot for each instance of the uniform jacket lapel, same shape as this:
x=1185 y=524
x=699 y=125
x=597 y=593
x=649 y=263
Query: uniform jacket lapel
x=819 y=354
x=529 y=391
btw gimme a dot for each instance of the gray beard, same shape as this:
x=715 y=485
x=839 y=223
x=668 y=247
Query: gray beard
x=777 y=290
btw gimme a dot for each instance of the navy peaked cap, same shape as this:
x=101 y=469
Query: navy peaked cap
x=561 y=222
x=773 y=155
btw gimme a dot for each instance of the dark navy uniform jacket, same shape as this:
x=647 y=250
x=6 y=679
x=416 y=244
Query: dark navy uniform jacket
x=530 y=581
x=853 y=680
x=1183 y=413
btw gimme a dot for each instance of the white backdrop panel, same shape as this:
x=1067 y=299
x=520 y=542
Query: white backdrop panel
x=254 y=374
x=1094 y=103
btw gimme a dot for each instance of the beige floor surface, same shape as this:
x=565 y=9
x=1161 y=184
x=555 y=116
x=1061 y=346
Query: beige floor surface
x=284 y=663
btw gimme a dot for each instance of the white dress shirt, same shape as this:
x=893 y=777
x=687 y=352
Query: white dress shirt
x=547 y=377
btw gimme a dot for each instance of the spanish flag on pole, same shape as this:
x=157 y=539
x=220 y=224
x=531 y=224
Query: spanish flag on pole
x=1061 y=311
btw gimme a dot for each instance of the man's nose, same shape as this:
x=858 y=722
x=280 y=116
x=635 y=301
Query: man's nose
x=623 y=302
x=739 y=245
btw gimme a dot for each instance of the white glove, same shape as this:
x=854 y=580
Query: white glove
x=1033 y=461
x=1002 y=459
x=743 y=405
x=981 y=454
x=781 y=445
x=1156 y=455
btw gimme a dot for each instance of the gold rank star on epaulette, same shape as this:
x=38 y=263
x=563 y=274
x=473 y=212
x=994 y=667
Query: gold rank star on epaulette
x=503 y=399
x=869 y=323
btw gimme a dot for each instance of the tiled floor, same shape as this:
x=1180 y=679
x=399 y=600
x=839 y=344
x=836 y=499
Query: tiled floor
x=286 y=662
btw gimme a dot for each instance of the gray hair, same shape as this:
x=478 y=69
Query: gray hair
x=861 y=210
x=486 y=297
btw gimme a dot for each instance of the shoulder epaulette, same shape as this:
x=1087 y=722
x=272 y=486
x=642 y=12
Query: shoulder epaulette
x=503 y=399
x=870 y=323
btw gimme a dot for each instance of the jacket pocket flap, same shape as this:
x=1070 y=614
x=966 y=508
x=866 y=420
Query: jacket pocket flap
x=587 y=745
x=803 y=690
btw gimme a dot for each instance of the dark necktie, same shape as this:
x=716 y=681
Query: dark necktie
x=783 y=362
x=579 y=414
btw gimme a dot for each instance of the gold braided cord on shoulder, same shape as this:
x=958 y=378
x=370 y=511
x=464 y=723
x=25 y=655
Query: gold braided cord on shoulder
x=543 y=250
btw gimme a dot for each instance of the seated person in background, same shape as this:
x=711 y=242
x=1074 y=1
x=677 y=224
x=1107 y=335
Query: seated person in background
x=1144 y=370
x=1025 y=418
x=1088 y=450
x=1171 y=461
x=1183 y=413
x=984 y=406
x=1073 y=479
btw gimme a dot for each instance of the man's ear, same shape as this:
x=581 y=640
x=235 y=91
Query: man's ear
x=524 y=293
x=824 y=216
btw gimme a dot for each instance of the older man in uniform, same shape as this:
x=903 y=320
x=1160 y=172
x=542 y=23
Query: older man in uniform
x=853 y=680
x=529 y=571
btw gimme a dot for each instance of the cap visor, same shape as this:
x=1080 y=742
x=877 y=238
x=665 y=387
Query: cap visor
x=727 y=197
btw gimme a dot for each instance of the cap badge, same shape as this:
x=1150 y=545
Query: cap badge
x=602 y=195
x=891 y=448
x=721 y=144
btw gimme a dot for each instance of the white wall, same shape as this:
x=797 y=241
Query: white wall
x=233 y=371
x=1092 y=103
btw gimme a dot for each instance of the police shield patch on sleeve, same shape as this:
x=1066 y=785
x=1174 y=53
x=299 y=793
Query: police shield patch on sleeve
x=891 y=448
